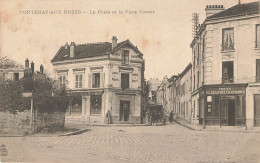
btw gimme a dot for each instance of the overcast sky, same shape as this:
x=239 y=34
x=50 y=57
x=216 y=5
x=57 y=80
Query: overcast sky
x=163 y=37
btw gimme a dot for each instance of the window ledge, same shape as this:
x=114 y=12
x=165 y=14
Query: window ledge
x=95 y=114
x=257 y=48
x=227 y=51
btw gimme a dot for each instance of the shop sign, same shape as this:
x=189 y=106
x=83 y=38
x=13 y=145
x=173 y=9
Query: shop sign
x=226 y=90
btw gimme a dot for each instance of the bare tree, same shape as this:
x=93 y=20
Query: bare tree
x=6 y=62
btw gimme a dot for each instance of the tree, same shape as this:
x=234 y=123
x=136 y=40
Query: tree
x=6 y=63
x=48 y=96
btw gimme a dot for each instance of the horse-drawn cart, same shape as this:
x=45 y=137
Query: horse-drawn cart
x=156 y=114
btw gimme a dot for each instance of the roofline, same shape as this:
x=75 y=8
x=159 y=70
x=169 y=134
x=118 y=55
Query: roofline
x=209 y=21
x=56 y=53
x=189 y=66
x=104 y=57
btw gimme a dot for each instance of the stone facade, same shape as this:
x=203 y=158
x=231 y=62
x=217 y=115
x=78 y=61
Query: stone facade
x=107 y=84
x=222 y=62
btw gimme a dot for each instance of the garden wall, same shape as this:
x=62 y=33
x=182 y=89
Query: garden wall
x=19 y=124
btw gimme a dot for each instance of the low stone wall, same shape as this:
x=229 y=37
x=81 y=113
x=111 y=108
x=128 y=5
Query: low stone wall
x=15 y=124
x=19 y=124
x=50 y=120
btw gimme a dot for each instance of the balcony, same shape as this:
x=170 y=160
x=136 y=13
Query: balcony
x=227 y=79
x=227 y=47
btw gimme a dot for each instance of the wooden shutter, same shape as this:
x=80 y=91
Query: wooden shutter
x=89 y=80
x=102 y=79
x=257 y=70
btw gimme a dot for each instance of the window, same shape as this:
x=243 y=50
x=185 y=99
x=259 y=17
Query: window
x=125 y=57
x=95 y=104
x=198 y=79
x=257 y=39
x=258 y=70
x=194 y=58
x=203 y=47
x=194 y=82
x=16 y=76
x=62 y=80
x=78 y=82
x=96 y=80
x=228 y=39
x=76 y=107
x=124 y=80
x=198 y=56
x=227 y=72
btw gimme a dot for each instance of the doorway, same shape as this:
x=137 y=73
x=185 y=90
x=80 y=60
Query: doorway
x=228 y=111
x=231 y=113
x=124 y=110
x=257 y=110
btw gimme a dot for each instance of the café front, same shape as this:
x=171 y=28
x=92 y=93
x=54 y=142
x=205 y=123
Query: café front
x=223 y=105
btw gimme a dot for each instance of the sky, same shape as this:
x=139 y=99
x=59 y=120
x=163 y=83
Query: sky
x=163 y=34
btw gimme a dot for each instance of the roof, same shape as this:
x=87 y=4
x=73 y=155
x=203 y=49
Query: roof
x=90 y=50
x=238 y=10
x=188 y=67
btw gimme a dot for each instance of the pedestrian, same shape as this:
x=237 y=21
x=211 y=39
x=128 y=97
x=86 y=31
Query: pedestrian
x=171 y=117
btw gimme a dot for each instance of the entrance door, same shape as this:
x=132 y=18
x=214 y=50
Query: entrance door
x=257 y=110
x=231 y=112
x=124 y=110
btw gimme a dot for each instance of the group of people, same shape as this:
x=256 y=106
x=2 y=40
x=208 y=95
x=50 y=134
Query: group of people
x=157 y=116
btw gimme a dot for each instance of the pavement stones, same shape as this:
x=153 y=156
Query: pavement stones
x=170 y=143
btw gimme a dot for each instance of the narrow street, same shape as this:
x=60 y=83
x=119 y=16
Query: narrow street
x=170 y=143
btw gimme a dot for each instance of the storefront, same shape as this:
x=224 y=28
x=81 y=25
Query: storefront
x=223 y=105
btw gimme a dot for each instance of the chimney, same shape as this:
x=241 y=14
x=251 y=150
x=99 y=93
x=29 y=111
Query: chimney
x=114 y=42
x=26 y=63
x=41 y=69
x=32 y=67
x=66 y=45
x=72 y=49
x=213 y=9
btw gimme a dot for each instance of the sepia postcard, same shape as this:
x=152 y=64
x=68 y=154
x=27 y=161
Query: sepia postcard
x=172 y=81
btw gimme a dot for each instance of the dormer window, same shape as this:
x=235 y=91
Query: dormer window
x=125 y=57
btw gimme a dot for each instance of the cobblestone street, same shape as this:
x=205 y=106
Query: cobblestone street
x=170 y=143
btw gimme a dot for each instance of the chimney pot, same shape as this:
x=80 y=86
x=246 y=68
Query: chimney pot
x=213 y=9
x=72 y=49
x=41 y=69
x=114 y=42
x=66 y=45
x=32 y=66
x=26 y=63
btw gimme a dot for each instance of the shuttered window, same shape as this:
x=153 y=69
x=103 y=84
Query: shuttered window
x=258 y=70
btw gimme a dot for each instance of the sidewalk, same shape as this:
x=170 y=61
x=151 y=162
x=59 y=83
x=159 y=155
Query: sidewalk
x=188 y=125
x=217 y=128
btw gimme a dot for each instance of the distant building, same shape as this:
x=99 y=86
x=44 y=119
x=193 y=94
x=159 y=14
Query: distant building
x=180 y=94
x=103 y=79
x=153 y=86
x=163 y=94
x=226 y=67
x=10 y=70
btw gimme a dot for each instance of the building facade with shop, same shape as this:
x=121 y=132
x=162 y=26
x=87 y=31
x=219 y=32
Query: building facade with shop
x=226 y=67
x=104 y=81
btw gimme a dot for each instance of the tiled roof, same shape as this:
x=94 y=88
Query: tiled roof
x=89 y=50
x=238 y=10
x=82 y=51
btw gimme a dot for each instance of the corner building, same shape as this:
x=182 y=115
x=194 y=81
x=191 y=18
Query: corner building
x=226 y=67
x=101 y=78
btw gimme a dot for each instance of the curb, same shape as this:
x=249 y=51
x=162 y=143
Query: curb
x=75 y=132
x=186 y=126
x=116 y=125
